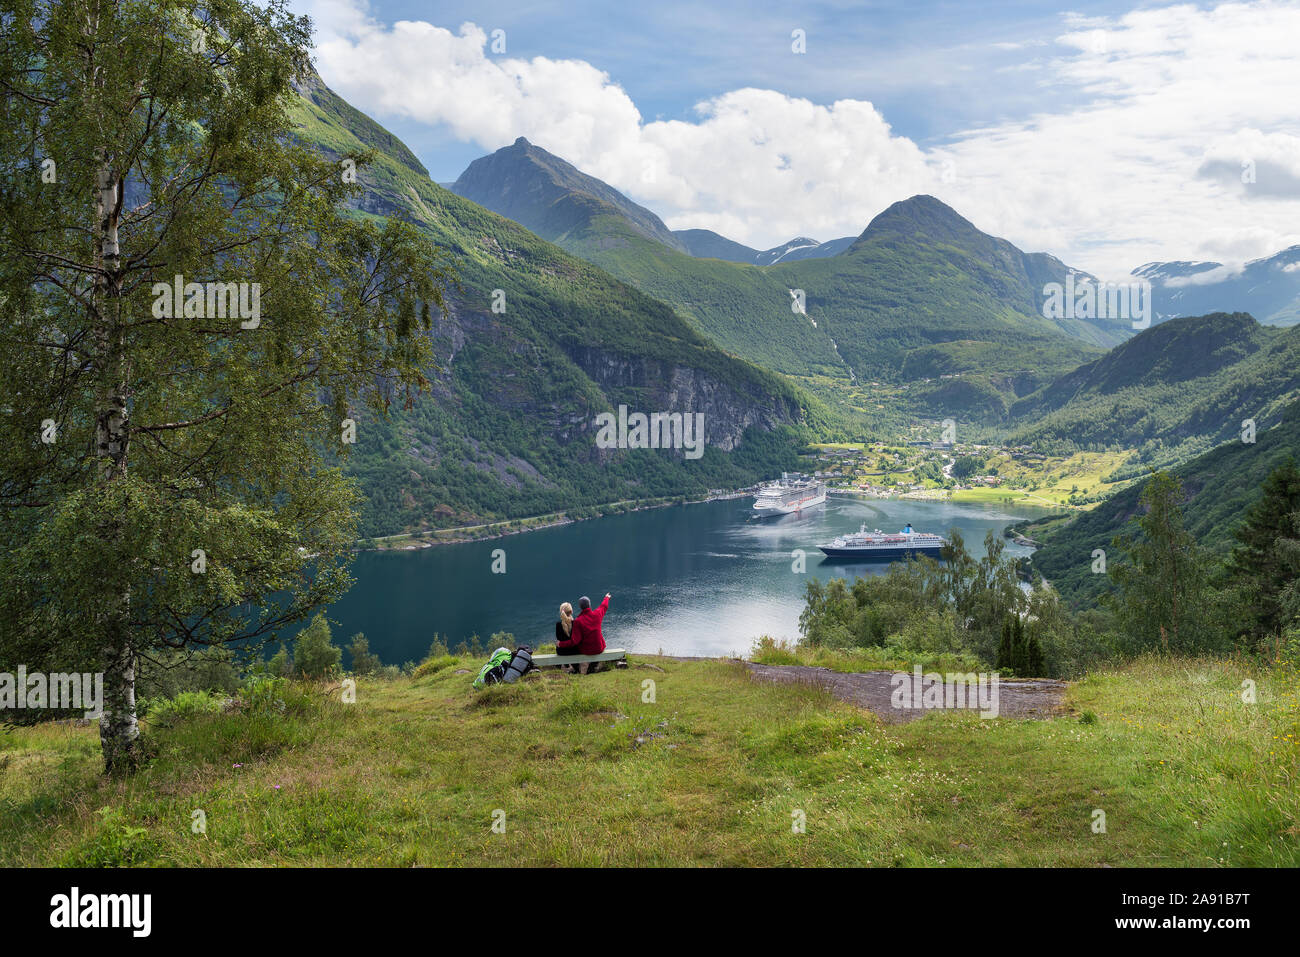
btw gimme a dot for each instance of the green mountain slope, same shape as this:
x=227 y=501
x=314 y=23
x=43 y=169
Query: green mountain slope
x=1174 y=391
x=747 y=310
x=920 y=295
x=508 y=429
x=901 y=308
x=706 y=244
x=551 y=197
x=925 y=226
x=1220 y=485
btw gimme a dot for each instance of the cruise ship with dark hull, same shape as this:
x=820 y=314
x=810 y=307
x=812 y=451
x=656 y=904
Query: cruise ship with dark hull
x=878 y=546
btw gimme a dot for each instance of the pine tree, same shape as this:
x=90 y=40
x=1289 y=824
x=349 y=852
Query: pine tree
x=1262 y=564
x=1035 y=664
x=1005 y=652
x=1289 y=598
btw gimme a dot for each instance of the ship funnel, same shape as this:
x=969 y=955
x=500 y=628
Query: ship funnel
x=907 y=529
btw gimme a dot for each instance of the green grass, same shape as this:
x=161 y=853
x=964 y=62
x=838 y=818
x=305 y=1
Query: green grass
x=1076 y=480
x=771 y=651
x=1014 y=496
x=711 y=772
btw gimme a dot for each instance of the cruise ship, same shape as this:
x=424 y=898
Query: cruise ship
x=788 y=495
x=880 y=546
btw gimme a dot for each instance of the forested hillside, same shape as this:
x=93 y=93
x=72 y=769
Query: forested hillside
x=535 y=343
x=1173 y=392
x=1219 y=487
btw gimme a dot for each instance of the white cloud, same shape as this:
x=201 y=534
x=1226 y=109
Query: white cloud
x=1163 y=101
x=1135 y=174
x=1209 y=277
x=1259 y=165
x=1238 y=246
x=756 y=165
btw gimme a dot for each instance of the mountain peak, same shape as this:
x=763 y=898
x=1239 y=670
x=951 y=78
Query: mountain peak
x=551 y=196
x=925 y=215
x=798 y=248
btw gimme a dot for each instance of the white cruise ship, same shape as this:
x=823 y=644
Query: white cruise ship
x=790 y=494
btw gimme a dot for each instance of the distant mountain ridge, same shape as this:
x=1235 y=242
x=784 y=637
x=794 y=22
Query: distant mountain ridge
x=921 y=297
x=1267 y=288
x=550 y=196
x=1172 y=392
x=706 y=244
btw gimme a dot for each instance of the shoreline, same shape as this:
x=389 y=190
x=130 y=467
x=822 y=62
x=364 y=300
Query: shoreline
x=414 y=542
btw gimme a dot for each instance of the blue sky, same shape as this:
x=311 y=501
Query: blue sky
x=1107 y=133
x=929 y=67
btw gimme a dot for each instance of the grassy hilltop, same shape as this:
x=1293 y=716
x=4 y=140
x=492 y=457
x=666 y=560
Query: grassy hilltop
x=712 y=772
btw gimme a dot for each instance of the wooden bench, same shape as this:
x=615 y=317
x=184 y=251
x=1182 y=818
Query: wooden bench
x=555 y=661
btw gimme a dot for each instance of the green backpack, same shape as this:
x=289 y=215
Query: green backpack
x=495 y=669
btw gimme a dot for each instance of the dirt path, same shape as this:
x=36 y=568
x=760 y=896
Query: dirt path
x=874 y=691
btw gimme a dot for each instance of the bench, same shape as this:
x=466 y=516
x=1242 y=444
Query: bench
x=554 y=661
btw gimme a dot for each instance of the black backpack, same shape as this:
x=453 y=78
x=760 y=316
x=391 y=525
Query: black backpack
x=519 y=665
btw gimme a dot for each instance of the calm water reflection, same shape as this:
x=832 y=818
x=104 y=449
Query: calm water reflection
x=692 y=580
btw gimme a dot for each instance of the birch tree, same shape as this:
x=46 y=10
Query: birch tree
x=190 y=321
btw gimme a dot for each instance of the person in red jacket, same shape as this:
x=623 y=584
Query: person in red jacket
x=586 y=632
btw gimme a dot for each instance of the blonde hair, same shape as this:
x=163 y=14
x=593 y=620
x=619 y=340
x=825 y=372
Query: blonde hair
x=566 y=618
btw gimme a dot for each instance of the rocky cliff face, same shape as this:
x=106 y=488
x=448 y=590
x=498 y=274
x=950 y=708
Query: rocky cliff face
x=647 y=385
x=643 y=384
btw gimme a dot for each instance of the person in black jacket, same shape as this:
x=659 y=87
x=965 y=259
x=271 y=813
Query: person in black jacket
x=566 y=643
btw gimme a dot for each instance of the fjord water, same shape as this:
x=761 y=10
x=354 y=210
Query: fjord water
x=699 y=579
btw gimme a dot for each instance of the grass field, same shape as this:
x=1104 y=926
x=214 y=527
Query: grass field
x=1004 y=495
x=1077 y=480
x=716 y=770
x=1082 y=474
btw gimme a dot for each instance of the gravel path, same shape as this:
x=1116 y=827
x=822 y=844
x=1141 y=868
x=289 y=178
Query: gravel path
x=874 y=690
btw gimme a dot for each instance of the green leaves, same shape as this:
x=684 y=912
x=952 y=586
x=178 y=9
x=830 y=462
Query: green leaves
x=1265 y=564
x=219 y=519
x=1164 y=598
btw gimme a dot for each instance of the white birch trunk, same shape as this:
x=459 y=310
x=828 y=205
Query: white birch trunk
x=118 y=728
